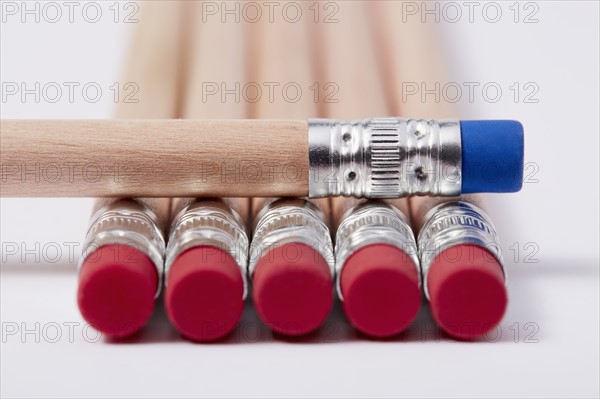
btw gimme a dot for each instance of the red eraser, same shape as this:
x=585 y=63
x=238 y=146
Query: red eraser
x=380 y=286
x=292 y=289
x=117 y=285
x=204 y=293
x=467 y=294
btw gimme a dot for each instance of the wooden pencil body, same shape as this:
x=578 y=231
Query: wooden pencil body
x=154 y=70
x=154 y=158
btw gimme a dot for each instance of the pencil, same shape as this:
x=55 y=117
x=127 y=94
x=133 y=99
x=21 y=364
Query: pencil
x=291 y=259
x=207 y=252
x=377 y=274
x=463 y=273
x=121 y=271
x=154 y=158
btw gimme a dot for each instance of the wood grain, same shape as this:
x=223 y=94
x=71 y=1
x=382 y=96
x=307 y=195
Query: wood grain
x=155 y=62
x=217 y=65
x=153 y=158
x=279 y=54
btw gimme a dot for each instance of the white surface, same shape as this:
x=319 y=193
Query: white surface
x=559 y=295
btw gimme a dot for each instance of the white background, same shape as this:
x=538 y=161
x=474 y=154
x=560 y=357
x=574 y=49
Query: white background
x=556 y=354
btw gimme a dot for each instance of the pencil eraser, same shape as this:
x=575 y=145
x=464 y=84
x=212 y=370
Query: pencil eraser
x=292 y=289
x=204 y=293
x=467 y=294
x=380 y=287
x=492 y=156
x=117 y=285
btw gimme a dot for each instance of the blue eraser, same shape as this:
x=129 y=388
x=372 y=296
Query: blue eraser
x=492 y=156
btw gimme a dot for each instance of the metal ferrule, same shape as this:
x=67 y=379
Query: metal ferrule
x=291 y=221
x=372 y=223
x=127 y=222
x=455 y=223
x=209 y=223
x=384 y=157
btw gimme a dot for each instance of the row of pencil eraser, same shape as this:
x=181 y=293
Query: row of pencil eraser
x=291 y=268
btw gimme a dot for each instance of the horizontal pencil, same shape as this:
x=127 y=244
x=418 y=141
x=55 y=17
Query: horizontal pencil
x=374 y=158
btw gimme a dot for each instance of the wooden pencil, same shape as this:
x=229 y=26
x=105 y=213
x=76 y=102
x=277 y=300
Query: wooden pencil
x=208 y=244
x=291 y=260
x=377 y=275
x=121 y=272
x=461 y=262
